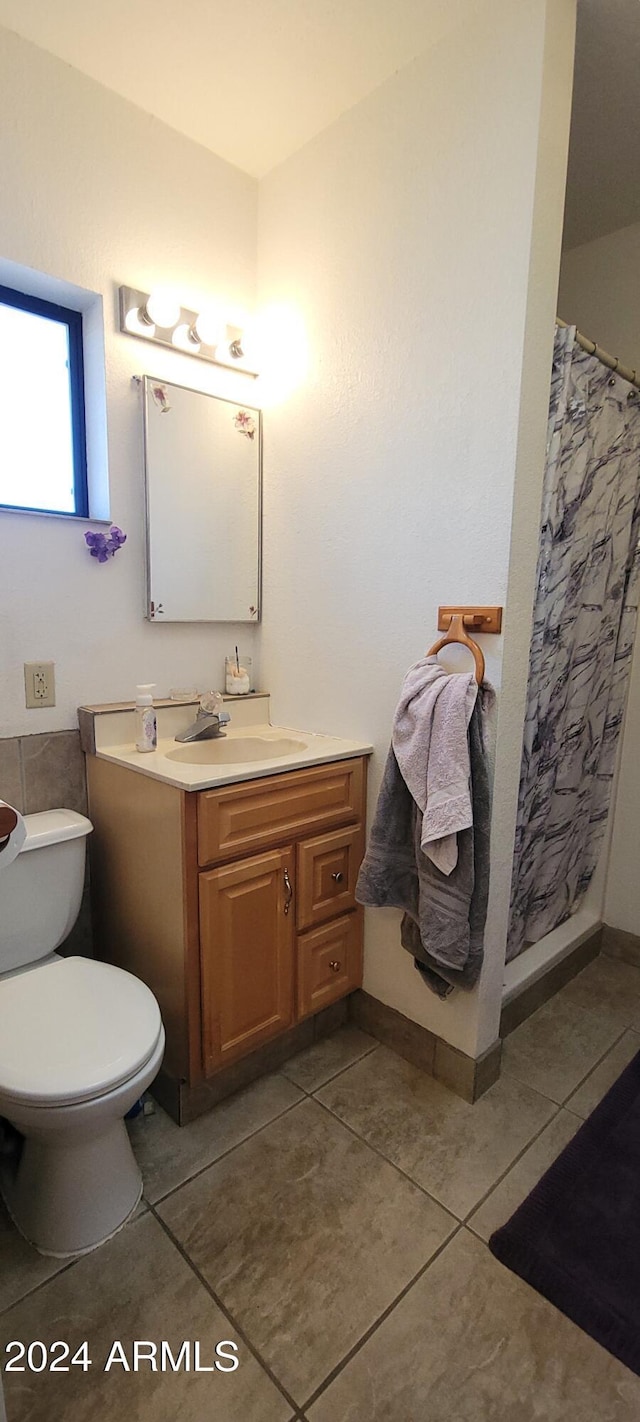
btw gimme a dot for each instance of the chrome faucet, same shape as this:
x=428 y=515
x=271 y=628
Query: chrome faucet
x=209 y=721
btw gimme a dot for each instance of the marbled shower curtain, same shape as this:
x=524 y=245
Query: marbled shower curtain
x=584 y=623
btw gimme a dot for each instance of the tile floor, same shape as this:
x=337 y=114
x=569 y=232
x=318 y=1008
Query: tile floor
x=332 y=1220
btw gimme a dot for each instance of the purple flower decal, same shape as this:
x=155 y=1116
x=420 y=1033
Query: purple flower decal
x=160 y=396
x=244 y=423
x=103 y=546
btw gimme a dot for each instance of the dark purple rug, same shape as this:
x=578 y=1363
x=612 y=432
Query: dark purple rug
x=576 y=1238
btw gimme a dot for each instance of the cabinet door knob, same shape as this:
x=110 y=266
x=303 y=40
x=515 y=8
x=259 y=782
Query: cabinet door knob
x=335 y=965
x=338 y=877
x=287 y=885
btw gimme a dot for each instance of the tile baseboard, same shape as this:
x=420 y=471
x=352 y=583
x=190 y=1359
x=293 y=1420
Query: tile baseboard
x=468 y=1077
x=536 y=994
x=617 y=943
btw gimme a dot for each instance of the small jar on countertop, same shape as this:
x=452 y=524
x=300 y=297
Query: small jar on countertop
x=237 y=676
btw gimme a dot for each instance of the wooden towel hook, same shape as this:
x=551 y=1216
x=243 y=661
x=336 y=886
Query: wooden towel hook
x=457 y=632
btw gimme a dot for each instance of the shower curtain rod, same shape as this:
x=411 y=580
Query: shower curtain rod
x=610 y=361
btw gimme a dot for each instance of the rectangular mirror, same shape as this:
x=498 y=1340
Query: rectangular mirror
x=203 y=472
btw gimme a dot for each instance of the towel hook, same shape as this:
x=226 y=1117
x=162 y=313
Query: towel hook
x=456 y=632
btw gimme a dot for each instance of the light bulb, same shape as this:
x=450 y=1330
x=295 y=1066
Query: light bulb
x=163 y=309
x=250 y=342
x=183 y=338
x=210 y=326
x=138 y=327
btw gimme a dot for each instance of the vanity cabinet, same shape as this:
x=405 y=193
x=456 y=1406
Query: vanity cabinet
x=235 y=904
x=260 y=970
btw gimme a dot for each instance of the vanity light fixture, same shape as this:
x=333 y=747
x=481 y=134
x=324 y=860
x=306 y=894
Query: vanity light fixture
x=208 y=334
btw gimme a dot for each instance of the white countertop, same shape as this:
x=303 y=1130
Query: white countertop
x=312 y=749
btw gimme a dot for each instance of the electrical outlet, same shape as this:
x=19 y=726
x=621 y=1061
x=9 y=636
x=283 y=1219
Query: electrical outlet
x=40 y=684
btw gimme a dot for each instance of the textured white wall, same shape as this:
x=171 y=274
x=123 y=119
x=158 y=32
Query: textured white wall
x=97 y=193
x=600 y=292
x=403 y=235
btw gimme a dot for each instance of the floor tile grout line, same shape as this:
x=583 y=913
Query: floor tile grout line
x=564 y=993
x=597 y=1064
x=516 y=1161
x=460 y=1219
x=507 y=1072
x=340 y=1072
x=151 y=1205
x=42 y=1283
x=201 y=1170
x=70 y=1263
x=344 y=1362
x=312 y=1095
x=387 y=1160
x=457 y=1226
x=394 y=1166
x=560 y=1107
x=230 y=1317
x=306 y=1095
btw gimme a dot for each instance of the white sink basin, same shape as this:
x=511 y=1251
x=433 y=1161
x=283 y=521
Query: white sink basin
x=225 y=750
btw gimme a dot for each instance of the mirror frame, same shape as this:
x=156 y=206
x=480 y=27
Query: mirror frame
x=145 y=382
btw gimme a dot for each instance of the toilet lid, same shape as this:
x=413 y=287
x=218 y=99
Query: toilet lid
x=73 y=1029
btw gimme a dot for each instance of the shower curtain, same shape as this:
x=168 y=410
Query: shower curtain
x=584 y=621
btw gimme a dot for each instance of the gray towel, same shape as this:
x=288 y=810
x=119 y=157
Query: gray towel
x=444 y=914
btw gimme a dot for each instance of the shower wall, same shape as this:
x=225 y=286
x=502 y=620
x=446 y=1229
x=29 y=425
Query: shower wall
x=599 y=290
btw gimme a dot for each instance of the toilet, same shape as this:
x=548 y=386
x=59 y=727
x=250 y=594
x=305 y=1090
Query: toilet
x=80 y=1041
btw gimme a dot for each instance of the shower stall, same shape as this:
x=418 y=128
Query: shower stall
x=584 y=622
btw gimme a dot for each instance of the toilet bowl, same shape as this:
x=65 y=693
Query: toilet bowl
x=80 y=1041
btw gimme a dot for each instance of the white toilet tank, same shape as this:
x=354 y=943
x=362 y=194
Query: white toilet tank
x=41 y=892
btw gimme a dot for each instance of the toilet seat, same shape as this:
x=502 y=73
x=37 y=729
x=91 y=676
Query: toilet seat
x=73 y=1030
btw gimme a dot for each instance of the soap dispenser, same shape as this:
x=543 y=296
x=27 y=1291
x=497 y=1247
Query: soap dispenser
x=146 y=724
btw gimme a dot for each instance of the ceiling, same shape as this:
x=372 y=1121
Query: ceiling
x=603 y=185
x=252 y=80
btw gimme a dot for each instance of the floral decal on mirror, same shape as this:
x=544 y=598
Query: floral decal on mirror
x=161 y=398
x=245 y=424
x=104 y=546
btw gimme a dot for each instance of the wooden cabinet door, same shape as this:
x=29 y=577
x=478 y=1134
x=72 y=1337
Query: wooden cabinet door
x=326 y=877
x=329 y=962
x=247 y=955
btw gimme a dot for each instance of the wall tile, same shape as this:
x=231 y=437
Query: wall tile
x=10 y=778
x=53 y=769
x=54 y=772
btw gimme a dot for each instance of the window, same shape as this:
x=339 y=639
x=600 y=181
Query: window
x=43 y=460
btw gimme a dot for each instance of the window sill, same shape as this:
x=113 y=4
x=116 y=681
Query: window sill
x=51 y=513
